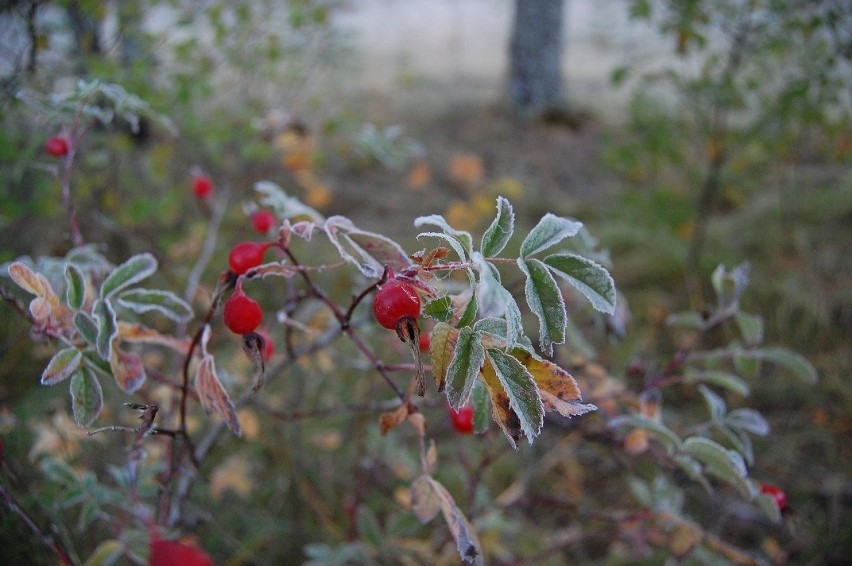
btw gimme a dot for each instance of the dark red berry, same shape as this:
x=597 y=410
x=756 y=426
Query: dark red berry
x=263 y=220
x=242 y=313
x=202 y=186
x=57 y=146
x=776 y=493
x=395 y=300
x=462 y=419
x=246 y=255
x=174 y=552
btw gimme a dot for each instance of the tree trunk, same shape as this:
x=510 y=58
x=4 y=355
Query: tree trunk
x=535 y=59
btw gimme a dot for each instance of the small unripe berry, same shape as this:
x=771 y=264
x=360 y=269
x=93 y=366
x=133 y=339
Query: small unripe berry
x=462 y=419
x=202 y=186
x=242 y=313
x=246 y=255
x=263 y=220
x=57 y=146
x=395 y=300
x=776 y=493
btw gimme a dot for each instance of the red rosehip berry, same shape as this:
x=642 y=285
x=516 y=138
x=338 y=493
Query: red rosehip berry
x=242 y=313
x=462 y=419
x=174 y=552
x=246 y=255
x=202 y=186
x=424 y=342
x=396 y=300
x=775 y=493
x=57 y=146
x=268 y=345
x=263 y=220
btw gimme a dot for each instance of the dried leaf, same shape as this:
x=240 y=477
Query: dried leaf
x=429 y=496
x=213 y=396
x=33 y=283
x=441 y=347
x=368 y=251
x=521 y=389
x=390 y=419
x=501 y=410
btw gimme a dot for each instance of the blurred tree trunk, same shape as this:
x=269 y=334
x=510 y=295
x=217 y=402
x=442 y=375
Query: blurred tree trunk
x=535 y=85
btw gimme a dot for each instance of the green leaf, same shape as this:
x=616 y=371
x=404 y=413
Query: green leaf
x=727 y=465
x=500 y=231
x=748 y=420
x=462 y=237
x=481 y=414
x=690 y=320
x=549 y=231
x=465 y=364
x=107 y=553
x=107 y=327
x=440 y=309
x=751 y=327
x=546 y=302
x=716 y=404
x=794 y=362
x=87 y=398
x=128 y=273
x=59 y=471
x=523 y=393
x=368 y=526
x=75 y=287
x=469 y=313
x=64 y=363
x=87 y=327
x=661 y=432
x=94 y=362
x=164 y=302
x=723 y=379
x=591 y=279
x=768 y=505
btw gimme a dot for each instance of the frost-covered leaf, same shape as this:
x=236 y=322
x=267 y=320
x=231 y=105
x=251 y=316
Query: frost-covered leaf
x=468 y=357
x=716 y=404
x=720 y=378
x=661 y=432
x=127 y=368
x=87 y=327
x=131 y=272
x=479 y=400
x=689 y=320
x=462 y=237
x=75 y=286
x=429 y=496
x=751 y=328
x=796 y=363
x=33 y=283
x=730 y=285
x=164 y=302
x=213 y=396
x=87 y=398
x=440 y=309
x=60 y=367
x=519 y=385
x=546 y=302
x=558 y=389
x=468 y=315
x=748 y=420
x=107 y=327
x=549 y=231
x=591 y=279
x=368 y=251
x=441 y=348
x=500 y=231
x=727 y=465
x=285 y=206
x=139 y=333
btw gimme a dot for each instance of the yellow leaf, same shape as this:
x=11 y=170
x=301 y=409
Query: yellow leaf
x=131 y=332
x=503 y=414
x=559 y=392
x=390 y=419
x=443 y=343
x=34 y=283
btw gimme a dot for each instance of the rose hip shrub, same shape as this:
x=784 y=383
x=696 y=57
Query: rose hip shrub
x=175 y=405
